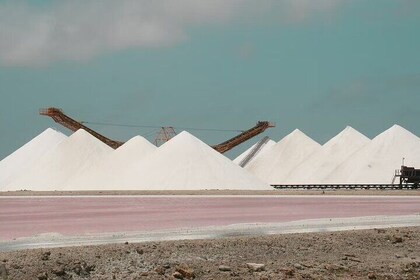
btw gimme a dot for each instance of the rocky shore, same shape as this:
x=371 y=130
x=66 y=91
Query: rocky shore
x=365 y=254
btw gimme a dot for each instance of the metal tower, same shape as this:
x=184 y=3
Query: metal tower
x=164 y=135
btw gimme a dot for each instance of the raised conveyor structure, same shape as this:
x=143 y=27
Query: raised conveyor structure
x=259 y=128
x=255 y=150
x=59 y=117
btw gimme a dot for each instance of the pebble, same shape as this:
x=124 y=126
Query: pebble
x=45 y=256
x=288 y=271
x=16 y=266
x=298 y=266
x=224 y=268
x=185 y=271
x=42 y=276
x=397 y=239
x=160 y=270
x=177 y=275
x=59 y=271
x=256 y=266
x=371 y=275
x=166 y=266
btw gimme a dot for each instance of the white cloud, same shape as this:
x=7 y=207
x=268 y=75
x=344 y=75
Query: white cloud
x=82 y=29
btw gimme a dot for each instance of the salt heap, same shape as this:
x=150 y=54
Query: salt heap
x=186 y=163
x=67 y=159
x=376 y=162
x=273 y=166
x=103 y=174
x=270 y=143
x=23 y=158
x=320 y=164
x=137 y=146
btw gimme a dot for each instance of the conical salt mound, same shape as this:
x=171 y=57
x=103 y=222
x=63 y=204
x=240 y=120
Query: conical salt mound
x=66 y=160
x=22 y=159
x=99 y=176
x=267 y=146
x=272 y=167
x=186 y=163
x=321 y=163
x=137 y=144
x=376 y=162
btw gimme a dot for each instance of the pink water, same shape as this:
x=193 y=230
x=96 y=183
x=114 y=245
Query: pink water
x=20 y=217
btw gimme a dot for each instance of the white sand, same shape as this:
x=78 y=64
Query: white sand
x=320 y=164
x=376 y=162
x=68 y=159
x=23 y=158
x=273 y=166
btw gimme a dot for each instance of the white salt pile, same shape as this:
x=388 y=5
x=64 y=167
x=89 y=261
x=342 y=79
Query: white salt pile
x=23 y=158
x=185 y=163
x=105 y=173
x=315 y=168
x=264 y=149
x=376 y=162
x=66 y=160
x=273 y=166
x=52 y=161
x=137 y=146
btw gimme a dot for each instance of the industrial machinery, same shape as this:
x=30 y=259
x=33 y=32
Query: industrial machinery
x=164 y=135
x=259 y=128
x=255 y=150
x=408 y=175
x=58 y=116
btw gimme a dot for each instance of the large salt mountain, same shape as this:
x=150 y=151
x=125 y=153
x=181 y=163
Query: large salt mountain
x=23 y=158
x=267 y=146
x=187 y=163
x=273 y=166
x=104 y=175
x=315 y=168
x=376 y=162
x=68 y=159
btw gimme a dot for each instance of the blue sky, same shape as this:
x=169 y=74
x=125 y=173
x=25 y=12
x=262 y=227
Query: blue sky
x=316 y=65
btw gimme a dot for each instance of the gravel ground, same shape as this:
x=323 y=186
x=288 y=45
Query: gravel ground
x=365 y=254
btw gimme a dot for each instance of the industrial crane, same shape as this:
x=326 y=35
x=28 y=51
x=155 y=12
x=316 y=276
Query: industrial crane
x=59 y=117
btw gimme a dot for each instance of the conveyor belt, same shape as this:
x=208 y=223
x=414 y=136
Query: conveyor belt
x=349 y=186
x=255 y=150
x=58 y=116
